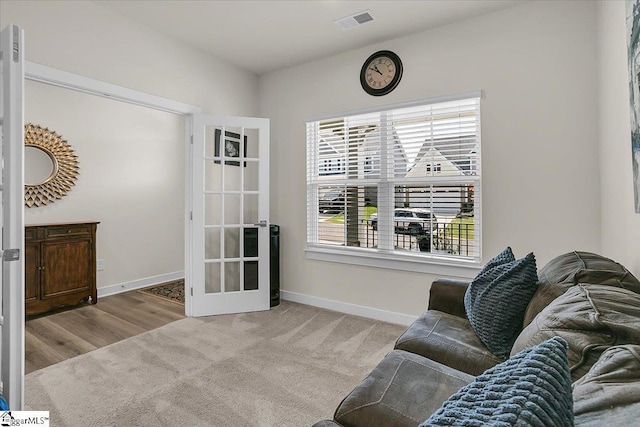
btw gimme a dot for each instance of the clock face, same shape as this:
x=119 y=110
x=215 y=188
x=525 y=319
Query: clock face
x=381 y=73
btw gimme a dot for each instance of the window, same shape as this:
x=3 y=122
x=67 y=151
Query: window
x=401 y=181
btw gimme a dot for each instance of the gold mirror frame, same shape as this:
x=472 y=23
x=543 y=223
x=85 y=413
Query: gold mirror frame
x=65 y=166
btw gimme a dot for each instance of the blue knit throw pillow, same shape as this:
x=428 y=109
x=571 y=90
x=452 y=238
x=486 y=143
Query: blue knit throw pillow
x=532 y=388
x=497 y=298
x=503 y=257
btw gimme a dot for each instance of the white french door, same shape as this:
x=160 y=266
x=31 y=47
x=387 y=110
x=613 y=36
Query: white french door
x=229 y=229
x=12 y=214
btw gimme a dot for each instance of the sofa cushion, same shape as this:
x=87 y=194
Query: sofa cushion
x=576 y=267
x=591 y=318
x=609 y=394
x=496 y=300
x=447 y=339
x=533 y=388
x=402 y=390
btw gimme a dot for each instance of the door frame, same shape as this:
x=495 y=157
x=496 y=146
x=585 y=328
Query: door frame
x=12 y=319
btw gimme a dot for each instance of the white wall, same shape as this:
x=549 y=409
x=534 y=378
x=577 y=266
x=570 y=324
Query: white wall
x=620 y=226
x=536 y=67
x=84 y=38
x=131 y=159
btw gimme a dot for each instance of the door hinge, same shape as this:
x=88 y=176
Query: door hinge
x=191 y=291
x=10 y=254
x=191 y=138
x=16 y=44
x=191 y=215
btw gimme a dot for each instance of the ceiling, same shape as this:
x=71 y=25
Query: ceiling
x=263 y=35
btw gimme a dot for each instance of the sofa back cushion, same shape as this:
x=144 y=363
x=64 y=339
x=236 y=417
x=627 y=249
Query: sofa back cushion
x=591 y=318
x=609 y=394
x=576 y=267
x=447 y=339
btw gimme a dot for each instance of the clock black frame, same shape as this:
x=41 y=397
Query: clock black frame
x=394 y=82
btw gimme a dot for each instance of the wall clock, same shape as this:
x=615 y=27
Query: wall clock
x=381 y=73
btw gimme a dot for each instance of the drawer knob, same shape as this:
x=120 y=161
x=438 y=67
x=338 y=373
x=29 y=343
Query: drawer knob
x=68 y=231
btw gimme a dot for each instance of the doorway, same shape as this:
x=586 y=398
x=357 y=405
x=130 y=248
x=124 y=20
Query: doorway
x=131 y=180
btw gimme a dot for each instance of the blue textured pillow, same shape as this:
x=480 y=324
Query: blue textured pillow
x=496 y=300
x=503 y=257
x=532 y=388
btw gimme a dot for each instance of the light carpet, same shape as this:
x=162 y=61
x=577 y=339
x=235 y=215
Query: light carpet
x=290 y=366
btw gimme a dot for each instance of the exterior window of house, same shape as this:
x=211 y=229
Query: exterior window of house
x=331 y=166
x=437 y=167
x=397 y=183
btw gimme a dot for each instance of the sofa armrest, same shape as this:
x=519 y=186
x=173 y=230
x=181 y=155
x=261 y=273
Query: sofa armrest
x=447 y=295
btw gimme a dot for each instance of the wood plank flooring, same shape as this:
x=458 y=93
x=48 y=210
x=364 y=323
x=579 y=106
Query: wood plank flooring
x=52 y=338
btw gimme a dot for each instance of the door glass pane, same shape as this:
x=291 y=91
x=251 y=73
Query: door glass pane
x=231 y=149
x=212 y=279
x=212 y=175
x=209 y=141
x=250 y=275
x=231 y=145
x=252 y=143
x=231 y=276
x=232 y=243
x=251 y=176
x=232 y=208
x=250 y=242
x=250 y=209
x=232 y=177
x=212 y=209
x=212 y=243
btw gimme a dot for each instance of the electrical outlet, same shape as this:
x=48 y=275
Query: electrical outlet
x=100 y=264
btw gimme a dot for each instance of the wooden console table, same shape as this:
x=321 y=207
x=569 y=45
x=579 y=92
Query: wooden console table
x=60 y=265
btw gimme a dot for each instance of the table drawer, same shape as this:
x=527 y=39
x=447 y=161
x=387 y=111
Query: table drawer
x=29 y=233
x=68 y=230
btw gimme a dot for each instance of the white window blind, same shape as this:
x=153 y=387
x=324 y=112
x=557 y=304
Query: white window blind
x=404 y=180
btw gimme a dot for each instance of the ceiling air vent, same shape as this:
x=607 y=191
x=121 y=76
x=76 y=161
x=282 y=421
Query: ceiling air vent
x=354 y=20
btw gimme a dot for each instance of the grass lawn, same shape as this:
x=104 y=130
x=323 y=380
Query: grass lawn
x=368 y=211
x=462 y=228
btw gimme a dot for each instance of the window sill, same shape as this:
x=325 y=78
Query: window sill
x=434 y=265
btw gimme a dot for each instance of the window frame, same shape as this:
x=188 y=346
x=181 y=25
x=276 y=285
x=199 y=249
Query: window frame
x=394 y=259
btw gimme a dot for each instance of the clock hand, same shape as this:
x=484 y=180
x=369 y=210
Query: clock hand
x=375 y=69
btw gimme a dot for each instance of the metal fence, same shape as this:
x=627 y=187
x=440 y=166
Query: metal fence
x=455 y=238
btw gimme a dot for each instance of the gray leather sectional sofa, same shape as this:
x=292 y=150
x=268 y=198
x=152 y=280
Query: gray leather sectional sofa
x=591 y=301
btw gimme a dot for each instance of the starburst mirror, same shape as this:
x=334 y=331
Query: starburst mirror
x=51 y=166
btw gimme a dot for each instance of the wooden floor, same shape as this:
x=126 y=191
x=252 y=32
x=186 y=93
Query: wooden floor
x=52 y=338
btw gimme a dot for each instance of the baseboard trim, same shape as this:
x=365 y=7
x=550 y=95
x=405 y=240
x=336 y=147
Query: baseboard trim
x=139 y=284
x=348 y=308
x=342 y=307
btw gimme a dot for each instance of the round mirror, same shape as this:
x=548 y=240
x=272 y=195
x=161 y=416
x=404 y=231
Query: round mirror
x=51 y=166
x=39 y=165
